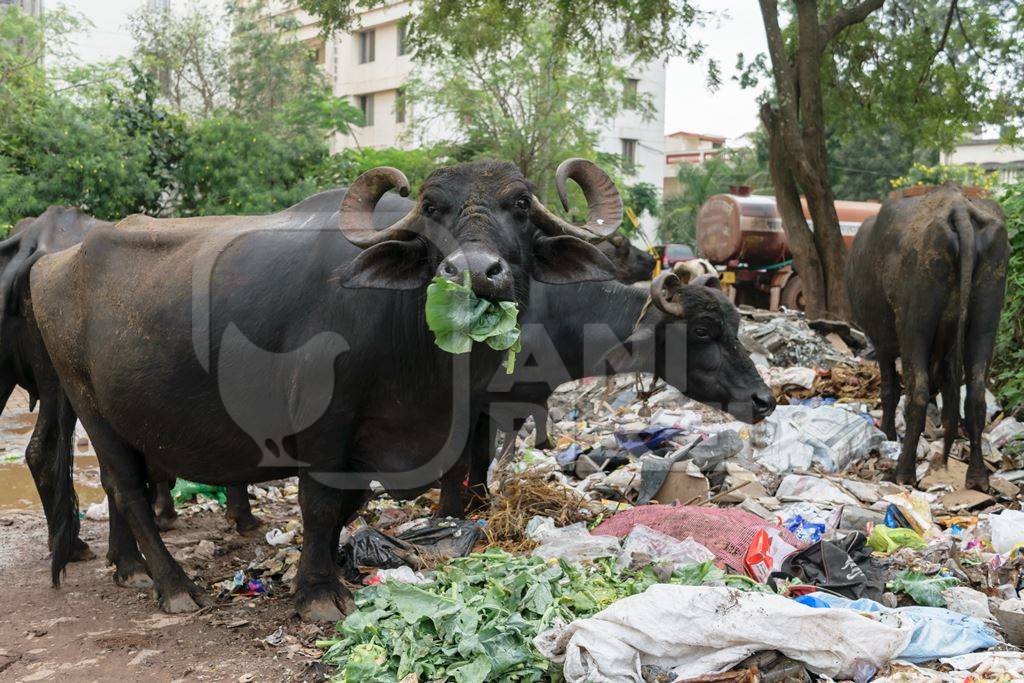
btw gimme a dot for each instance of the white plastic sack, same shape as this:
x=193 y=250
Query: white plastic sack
x=1007 y=530
x=573 y=542
x=700 y=630
x=804 y=487
x=795 y=437
x=662 y=547
x=99 y=512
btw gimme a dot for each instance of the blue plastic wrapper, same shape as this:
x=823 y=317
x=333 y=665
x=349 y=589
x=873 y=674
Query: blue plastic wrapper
x=646 y=439
x=938 y=632
x=805 y=530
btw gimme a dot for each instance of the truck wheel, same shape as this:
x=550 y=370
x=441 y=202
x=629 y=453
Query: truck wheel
x=792 y=296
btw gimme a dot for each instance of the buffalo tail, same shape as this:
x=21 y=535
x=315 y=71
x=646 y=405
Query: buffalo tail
x=964 y=227
x=65 y=502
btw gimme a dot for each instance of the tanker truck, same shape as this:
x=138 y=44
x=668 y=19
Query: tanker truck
x=741 y=234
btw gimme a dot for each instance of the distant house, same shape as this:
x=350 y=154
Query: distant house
x=990 y=154
x=682 y=147
x=33 y=7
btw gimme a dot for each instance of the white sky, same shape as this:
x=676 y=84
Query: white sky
x=689 y=106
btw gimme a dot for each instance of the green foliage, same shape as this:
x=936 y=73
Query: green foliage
x=527 y=98
x=457 y=317
x=699 y=182
x=961 y=174
x=863 y=165
x=644 y=30
x=477 y=620
x=348 y=164
x=1008 y=358
x=235 y=166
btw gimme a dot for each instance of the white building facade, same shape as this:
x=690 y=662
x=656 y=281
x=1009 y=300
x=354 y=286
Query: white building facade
x=370 y=65
x=991 y=155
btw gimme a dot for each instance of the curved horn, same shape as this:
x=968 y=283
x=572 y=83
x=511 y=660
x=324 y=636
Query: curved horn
x=667 y=294
x=361 y=199
x=603 y=200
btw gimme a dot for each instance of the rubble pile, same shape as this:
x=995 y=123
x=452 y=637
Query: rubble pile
x=659 y=539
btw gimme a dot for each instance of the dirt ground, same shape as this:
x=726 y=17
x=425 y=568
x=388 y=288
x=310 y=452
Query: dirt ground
x=92 y=630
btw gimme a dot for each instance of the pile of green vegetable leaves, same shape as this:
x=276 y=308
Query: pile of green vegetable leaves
x=476 y=622
x=922 y=589
x=457 y=317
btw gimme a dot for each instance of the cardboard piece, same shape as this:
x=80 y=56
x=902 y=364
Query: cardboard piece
x=685 y=484
x=965 y=499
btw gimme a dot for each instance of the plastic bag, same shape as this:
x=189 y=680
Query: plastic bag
x=887 y=540
x=662 y=547
x=924 y=590
x=184 y=491
x=571 y=542
x=1007 y=530
x=442 y=537
x=915 y=509
x=937 y=632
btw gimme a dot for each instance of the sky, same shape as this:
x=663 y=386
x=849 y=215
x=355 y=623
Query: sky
x=729 y=112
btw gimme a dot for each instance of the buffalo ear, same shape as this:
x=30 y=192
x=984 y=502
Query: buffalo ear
x=395 y=264
x=566 y=259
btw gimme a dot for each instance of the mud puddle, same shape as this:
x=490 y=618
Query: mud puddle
x=17 y=490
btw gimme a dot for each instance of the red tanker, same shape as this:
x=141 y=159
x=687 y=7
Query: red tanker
x=743 y=233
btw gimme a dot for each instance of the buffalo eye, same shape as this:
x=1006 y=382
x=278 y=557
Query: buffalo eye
x=429 y=209
x=523 y=203
x=702 y=332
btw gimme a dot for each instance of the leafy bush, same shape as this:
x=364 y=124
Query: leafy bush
x=961 y=174
x=1008 y=359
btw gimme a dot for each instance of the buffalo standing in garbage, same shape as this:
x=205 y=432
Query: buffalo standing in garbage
x=926 y=279
x=249 y=348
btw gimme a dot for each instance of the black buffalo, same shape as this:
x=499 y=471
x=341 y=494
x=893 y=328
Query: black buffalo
x=631 y=263
x=25 y=363
x=926 y=279
x=238 y=349
x=683 y=334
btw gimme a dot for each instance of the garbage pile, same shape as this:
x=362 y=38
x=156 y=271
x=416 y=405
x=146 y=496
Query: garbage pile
x=660 y=540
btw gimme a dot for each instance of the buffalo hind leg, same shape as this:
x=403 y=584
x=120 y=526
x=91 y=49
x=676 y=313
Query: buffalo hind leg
x=125 y=482
x=540 y=432
x=979 y=340
x=52 y=438
x=319 y=595
x=239 y=510
x=950 y=387
x=122 y=552
x=890 y=393
x=163 y=503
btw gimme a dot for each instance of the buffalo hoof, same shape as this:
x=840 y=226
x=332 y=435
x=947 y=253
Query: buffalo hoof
x=166 y=522
x=178 y=603
x=133 y=577
x=977 y=479
x=248 y=524
x=905 y=478
x=80 y=551
x=324 y=603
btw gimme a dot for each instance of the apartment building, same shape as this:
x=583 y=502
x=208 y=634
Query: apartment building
x=990 y=154
x=370 y=65
x=682 y=147
x=33 y=7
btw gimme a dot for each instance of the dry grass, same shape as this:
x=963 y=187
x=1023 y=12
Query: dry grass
x=521 y=498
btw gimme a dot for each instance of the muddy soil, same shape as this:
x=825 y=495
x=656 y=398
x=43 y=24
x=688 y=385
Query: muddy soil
x=91 y=630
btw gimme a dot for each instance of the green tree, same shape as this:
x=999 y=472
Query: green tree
x=641 y=30
x=528 y=100
x=1008 y=358
x=347 y=165
x=864 y=165
x=933 y=71
x=699 y=182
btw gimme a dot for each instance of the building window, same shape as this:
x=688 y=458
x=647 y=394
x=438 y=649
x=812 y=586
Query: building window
x=400 y=106
x=630 y=88
x=367 y=46
x=629 y=152
x=317 y=51
x=401 y=37
x=366 y=106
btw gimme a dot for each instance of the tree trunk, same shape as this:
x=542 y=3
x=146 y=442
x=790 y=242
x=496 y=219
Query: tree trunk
x=787 y=197
x=795 y=123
